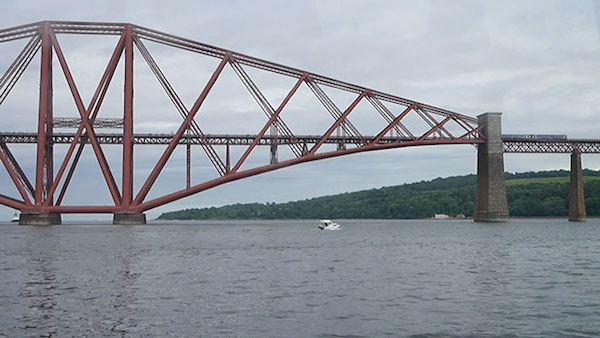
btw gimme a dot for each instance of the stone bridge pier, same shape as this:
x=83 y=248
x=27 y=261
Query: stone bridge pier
x=576 y=197
x=491 y=204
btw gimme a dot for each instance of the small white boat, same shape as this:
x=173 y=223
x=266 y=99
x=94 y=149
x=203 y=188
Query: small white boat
x=15 y=217
x=326 y=224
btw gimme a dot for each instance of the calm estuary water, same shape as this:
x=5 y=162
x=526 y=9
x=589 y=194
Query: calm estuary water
x=526 y=278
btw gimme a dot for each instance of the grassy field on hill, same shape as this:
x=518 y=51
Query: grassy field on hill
x=525 y=181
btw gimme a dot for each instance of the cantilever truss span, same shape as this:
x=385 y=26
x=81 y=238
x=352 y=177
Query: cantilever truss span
x=45 y=192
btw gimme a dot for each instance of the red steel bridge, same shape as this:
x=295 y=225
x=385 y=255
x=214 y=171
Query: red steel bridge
x=40 y=197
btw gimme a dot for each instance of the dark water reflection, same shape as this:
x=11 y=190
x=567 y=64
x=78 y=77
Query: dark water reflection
x=534 y=278
x=40 y=288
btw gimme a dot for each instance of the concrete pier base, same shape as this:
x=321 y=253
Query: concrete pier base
x=576 y=199
x=491 y=204
x=129 y=218
x=36 y=218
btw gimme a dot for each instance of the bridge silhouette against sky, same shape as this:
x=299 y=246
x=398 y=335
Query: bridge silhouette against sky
x=40 y=196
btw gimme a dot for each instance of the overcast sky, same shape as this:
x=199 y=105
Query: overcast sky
x=537 y=62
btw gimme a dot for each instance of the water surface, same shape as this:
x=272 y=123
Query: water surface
x=526 y=278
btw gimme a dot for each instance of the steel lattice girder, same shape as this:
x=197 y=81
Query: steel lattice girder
x=43 y=36
x=513 y=146
x=570 y=146
x=62 y=122
x=213 y=139
x=73 y=27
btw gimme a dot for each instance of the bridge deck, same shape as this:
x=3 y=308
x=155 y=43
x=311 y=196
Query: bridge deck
x=407 y=122
x=510 y=144
x=584 y=146
x=213 y=139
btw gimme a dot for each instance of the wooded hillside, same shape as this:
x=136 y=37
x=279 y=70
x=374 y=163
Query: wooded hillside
x=539 y=194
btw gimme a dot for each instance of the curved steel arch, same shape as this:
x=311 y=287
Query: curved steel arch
x=267 y=168
x=39 y=195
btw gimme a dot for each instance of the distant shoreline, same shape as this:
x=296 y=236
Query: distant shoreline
x=361 y=219
x=531 y=195
x=157 y=221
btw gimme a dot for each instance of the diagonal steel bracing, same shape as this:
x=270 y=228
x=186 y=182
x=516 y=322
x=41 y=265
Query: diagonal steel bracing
x=338 y=122
x=274 y=117
x=91 y=113
x=265 y=105
x=400 y=129
x=335 y=112
x=16 y=69
x=184 y=126
x=38 y=195
x=108 y=176
x=180 y=106
x=16 y=174
x=11 y=161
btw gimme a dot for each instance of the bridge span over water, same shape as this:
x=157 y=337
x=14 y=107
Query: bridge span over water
x=40 y=197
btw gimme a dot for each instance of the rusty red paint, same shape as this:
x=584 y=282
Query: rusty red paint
x=92 y=110
x=185 y=125
x=127 y=174
x=44 y=34
x=45 y=99
x=110 y=181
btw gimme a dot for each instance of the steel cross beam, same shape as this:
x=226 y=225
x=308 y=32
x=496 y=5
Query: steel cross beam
x=37 y=195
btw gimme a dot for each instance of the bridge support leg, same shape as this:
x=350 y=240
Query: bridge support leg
x=274 y=156
x=576 y=200
x=491 y=204
x=37 y=218
x=129 y=218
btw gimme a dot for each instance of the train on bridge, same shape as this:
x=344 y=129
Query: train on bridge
x=38 y=190
x=540 y=137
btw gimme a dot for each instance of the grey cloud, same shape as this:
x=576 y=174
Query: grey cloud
x=535 y=61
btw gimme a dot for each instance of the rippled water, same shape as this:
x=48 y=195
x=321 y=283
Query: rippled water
x=533 y=278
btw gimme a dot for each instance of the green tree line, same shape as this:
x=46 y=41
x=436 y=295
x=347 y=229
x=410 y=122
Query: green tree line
x=452 y=196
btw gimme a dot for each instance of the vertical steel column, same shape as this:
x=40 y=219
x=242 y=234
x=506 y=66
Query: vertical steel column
x=188 y=158
x=44 y=170
x=126 y=216
x=274 y=157
x=49 y=160
x=128 y=120
x=228 y=158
